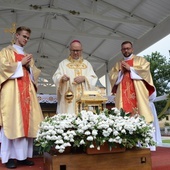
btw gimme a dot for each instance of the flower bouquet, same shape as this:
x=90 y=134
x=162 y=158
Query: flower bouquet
x=114 y=127
x=56 y=132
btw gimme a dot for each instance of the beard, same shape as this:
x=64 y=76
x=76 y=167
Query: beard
x=127 y=54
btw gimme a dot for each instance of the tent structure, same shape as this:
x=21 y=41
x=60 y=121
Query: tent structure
x=101 y=26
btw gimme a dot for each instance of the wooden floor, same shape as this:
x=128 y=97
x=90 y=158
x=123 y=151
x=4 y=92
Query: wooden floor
x=160 y=161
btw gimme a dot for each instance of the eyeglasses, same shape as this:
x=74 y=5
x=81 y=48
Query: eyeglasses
x=25 y=37
x=124 y=49
x=77 y=51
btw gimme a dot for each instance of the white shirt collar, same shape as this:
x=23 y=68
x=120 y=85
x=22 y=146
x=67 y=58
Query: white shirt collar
x=128 y=58
x=19 y=49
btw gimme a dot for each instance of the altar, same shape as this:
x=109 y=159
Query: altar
x=133 y=159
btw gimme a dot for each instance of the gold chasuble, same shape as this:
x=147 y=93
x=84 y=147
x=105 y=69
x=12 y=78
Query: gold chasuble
x=133 y=94
x=20 y=112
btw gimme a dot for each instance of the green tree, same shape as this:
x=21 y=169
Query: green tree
x=160 y=70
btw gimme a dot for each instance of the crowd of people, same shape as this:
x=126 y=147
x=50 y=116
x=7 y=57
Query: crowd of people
x=20 y=112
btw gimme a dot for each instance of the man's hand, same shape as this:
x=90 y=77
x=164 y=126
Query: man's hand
x=65 y=78
x=125 y=67
x=79 y=79
x=26 y=60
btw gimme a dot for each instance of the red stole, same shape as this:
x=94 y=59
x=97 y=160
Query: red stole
x=23 y=85
x=128 y=91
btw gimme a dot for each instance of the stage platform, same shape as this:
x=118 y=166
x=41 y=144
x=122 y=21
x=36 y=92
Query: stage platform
x=160 y=161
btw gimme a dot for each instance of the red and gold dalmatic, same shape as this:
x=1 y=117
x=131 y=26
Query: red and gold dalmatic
x=20 y=112
x=130 y=94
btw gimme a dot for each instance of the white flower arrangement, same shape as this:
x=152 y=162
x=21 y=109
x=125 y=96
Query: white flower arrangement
x=57 y=131
x=89 y=130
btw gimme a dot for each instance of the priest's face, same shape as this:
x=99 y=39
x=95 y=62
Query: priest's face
x=22 y=38
x=127 y=49
x=75 y=50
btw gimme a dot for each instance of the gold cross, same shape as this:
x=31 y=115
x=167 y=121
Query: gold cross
x=11 y=30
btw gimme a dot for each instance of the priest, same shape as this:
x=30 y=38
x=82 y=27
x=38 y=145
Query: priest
x=132 y=85
x=73 y=76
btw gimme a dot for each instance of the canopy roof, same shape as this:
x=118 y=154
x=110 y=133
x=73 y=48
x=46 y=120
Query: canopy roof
x=101 y=26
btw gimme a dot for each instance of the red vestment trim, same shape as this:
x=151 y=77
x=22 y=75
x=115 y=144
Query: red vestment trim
x=150 y=88
x=23 y=85
x=128 y=91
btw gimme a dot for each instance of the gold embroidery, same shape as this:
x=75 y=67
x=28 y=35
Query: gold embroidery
x=128 y=91
x=76 y=64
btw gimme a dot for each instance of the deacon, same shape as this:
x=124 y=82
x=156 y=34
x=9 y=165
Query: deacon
x=20 y=112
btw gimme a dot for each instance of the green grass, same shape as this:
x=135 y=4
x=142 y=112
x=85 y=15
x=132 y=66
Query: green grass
x=166 y=141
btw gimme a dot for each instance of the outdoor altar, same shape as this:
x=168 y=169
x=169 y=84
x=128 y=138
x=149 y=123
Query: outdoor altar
x=88 y=132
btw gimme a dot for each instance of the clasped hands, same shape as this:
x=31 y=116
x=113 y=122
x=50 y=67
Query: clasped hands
x=26 y=60
x=124 y=67
x=77 y=80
